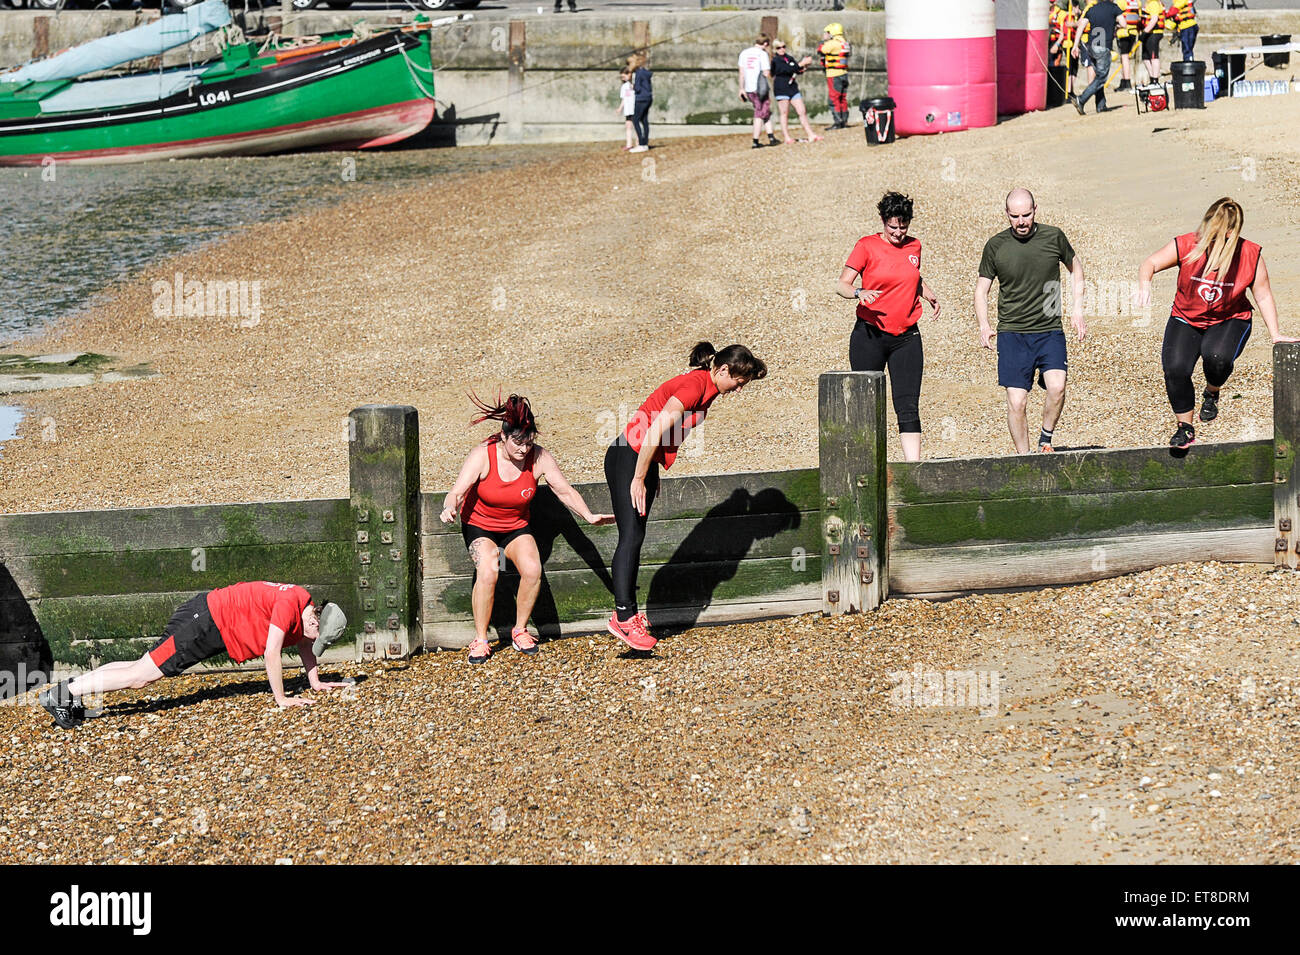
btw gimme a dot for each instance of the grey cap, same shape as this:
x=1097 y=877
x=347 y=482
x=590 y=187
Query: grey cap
x=333 y=621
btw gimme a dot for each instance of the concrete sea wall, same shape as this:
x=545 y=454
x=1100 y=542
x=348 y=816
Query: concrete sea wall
x=551 y=79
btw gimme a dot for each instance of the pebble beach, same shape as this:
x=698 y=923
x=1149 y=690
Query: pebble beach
x=1150 y=718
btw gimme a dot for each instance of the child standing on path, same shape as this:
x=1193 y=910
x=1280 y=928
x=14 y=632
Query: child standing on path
x=627 y=105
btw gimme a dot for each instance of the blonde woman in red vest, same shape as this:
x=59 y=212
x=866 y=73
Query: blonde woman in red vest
x=1211 y=315
x=493 y=496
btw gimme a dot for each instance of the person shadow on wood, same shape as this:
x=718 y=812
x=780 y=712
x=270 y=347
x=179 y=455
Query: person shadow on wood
x=710 y=555
x=549 y=520
x=26 y=661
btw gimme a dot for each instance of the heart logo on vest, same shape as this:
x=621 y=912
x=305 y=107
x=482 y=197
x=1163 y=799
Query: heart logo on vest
x=526 y=493
x=916 y=262
x=1211 y=293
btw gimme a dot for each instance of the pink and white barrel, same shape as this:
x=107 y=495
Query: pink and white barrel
x=942 y=61
x=1022 y=55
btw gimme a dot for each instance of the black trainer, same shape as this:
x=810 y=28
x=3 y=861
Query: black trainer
x=773 y=141
x=66 y=709
x=1184 y=437
x=1209 y=406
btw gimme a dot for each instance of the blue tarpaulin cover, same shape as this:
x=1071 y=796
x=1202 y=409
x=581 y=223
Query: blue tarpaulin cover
x=119 y=91
x=148 y=39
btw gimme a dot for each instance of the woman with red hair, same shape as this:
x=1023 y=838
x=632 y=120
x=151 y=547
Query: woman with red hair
x=493 y=496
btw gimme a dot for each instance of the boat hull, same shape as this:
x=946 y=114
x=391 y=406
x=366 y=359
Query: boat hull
x=364 y=95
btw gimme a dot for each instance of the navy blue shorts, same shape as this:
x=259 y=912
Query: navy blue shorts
x=1021 y=354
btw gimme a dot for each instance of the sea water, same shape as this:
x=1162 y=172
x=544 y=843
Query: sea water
x=73 y=230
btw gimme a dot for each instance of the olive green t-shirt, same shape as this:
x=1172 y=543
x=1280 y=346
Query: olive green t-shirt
x=1028 y=273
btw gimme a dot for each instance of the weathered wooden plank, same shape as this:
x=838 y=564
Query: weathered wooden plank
x=572 y=594
x=580 y=546
x=119 y=626
x=851 y=443
x=1286 y=440
x=128 y=571
x=679 y=498
x=1089 y=472
x=1067 y=515
x=456 y=634
x=1051 y=563
x=384 y=490
x=171 y=528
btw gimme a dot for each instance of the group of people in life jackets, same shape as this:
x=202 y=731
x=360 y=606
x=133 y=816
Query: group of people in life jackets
x=1144 y=25
x=1210 y=321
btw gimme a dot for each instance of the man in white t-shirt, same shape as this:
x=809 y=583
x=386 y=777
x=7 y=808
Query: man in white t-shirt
x=756 y=83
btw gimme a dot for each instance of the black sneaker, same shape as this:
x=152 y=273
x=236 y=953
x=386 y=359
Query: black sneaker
x=1209 y=406
x=757 y=145
x=66 y=709
x=1184 y=437
x=773 y=141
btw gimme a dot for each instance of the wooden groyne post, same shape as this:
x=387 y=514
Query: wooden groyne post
x=1286 y=439
x=851 y=451
x=384 y=479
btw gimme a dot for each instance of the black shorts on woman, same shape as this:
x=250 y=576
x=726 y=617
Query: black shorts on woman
x=501 y=538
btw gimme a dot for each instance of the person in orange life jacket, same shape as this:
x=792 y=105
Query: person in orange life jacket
x=493 y=495
x=1153 y=31
x=245 y=621
x=1211 y=316
x=1181 y=17
x=886 y=333
x=1125 y=39
x=834 y=51
x=651 y=439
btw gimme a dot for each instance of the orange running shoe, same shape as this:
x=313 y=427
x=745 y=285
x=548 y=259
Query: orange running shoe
x=633 y=632
x=479 y=651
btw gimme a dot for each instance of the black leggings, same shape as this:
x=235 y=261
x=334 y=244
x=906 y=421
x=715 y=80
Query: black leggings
x=620 y=466
x=1217 y=346
x=870 y=349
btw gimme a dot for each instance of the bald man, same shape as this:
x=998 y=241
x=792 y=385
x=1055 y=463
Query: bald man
x=1026 y=260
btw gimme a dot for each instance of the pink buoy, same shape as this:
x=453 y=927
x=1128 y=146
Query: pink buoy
x=942 y=61
x=1022 y=55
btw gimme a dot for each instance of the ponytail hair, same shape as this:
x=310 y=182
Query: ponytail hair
x=740 y=361
x=514 y=413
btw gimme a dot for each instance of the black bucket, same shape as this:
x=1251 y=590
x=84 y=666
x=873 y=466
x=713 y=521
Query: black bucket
x=1276 y=39
x=1228 y=67
x=878 y=119
x=1189 y=84
x=1057 y=77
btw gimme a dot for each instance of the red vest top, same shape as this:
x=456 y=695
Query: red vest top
x=1202 y=301
x=497 y=505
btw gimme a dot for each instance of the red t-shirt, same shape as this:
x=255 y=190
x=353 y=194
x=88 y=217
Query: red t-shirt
x=695 y=390
x=497 y=505
x=244 y=612
x=1201 y=301
x=896 y=271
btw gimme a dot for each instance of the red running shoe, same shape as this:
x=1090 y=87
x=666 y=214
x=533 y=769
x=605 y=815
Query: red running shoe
x=522 y=640
x=632 y=632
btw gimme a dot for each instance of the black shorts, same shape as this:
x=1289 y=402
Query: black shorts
x=1151 y=45
x=190 y=637
x=1125 y=44
x=500 y=538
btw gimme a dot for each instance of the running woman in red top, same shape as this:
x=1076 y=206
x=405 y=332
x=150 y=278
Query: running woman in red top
x=651 y=439
x=258 y=619
x=886 y=333
x=493 y=497
x=1211 y=316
